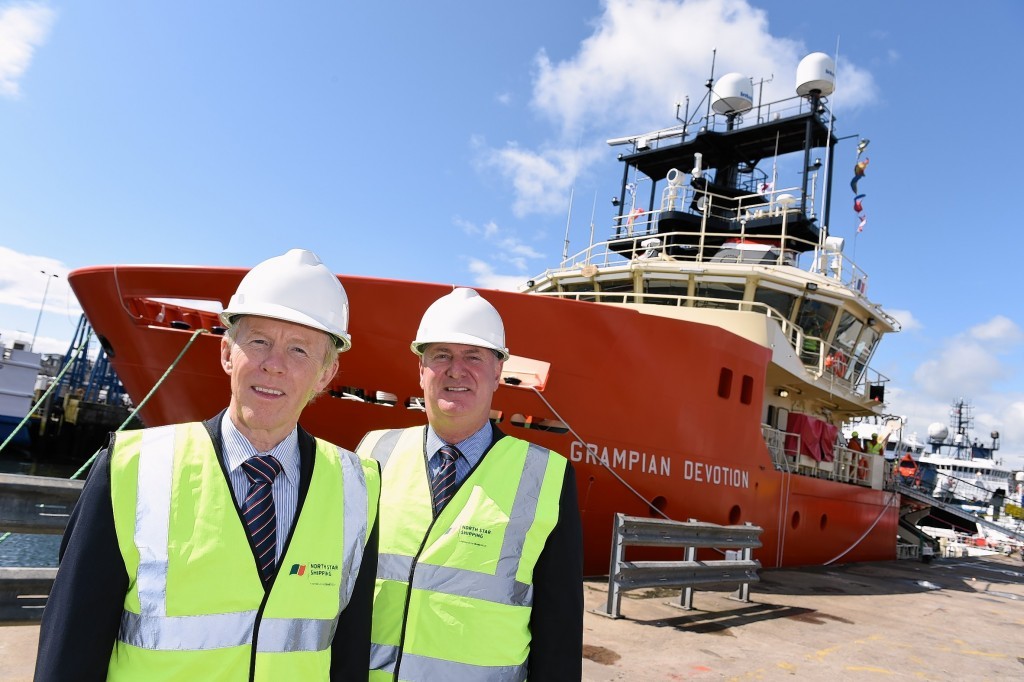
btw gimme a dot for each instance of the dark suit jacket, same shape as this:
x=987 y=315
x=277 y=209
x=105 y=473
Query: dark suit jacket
x=83 y=613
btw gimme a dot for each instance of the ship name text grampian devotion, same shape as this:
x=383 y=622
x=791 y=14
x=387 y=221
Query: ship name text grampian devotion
x=632 y=460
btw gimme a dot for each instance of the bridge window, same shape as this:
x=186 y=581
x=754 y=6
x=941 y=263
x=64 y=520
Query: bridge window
x=781 y=301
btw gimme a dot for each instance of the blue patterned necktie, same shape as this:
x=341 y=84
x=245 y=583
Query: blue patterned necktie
x=259 y=513
x=443 y=486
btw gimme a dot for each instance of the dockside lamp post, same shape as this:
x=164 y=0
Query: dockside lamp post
x=42 y=305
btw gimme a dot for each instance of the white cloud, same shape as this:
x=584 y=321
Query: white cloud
x=963 y=365
x=906 y=319
x=23 y=28
x=486 y=277
x=23 y=282
x=642 y=53
x=505 y=247
x=541 y=180
x=999 y=329
x=628 y=75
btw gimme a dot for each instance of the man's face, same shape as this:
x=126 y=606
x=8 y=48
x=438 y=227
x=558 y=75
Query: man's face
x=458 y=382
x=276 y=368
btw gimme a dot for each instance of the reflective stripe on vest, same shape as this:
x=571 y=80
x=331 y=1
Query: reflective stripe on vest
x=499 y=581
x=425 y=668
x=154 y=630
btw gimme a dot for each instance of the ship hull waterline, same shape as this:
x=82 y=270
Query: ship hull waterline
x=671 y=408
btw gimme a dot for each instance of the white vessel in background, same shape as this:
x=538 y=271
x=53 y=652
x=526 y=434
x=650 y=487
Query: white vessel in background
x=967 y=471
x=19 y=370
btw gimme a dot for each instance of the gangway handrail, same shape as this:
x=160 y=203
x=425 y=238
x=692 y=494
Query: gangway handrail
x=955 y=510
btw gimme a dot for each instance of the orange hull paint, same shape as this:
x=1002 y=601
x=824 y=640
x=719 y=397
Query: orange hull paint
x=645 y=392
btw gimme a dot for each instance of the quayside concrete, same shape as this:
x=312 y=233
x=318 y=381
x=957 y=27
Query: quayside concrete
x=953 y=619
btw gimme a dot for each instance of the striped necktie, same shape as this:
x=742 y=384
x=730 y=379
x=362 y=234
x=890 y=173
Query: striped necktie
x=259 y=513
x=443 y=486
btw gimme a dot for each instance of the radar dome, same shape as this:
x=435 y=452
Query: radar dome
x=816 y=71
x=734 y=94
x=937 y=432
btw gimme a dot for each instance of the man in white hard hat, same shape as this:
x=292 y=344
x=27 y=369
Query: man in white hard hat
x=237 y=548
x=481 y=559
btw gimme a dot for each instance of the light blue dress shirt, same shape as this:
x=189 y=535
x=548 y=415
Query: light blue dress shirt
x=237 y=448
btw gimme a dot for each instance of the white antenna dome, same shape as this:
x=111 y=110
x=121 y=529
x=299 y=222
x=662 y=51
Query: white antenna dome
x=816 y=71
x=937 y=432
x=734 y=94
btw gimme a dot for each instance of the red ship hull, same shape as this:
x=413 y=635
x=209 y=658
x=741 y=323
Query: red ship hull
x=671 y=408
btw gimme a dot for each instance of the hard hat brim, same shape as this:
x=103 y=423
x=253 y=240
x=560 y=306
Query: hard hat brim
x=419 y=345
x=277 y=312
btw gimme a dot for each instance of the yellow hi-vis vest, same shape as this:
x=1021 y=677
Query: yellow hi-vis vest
x=196 y=608
x=454 y=595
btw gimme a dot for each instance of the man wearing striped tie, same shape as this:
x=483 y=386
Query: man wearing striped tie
x=479 y=576
x=237 y=548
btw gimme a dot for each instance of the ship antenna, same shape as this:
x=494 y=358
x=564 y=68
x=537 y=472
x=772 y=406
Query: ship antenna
x=823 y=233
x=572 y=192
x=711 y=81
x=593 y=212
x=568 y=221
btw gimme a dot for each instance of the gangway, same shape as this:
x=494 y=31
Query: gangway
x=955 y=510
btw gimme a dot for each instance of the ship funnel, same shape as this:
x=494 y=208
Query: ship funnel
x=816 y=72
x=674 y=177
x=734 y=94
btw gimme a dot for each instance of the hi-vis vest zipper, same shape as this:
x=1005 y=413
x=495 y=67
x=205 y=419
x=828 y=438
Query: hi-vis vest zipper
x=196 y=608
x=454 y=595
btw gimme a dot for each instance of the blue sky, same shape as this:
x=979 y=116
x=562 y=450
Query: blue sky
x=439 y=141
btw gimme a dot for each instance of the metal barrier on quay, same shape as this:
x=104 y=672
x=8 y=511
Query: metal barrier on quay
x=739 y=568
x=33 y=505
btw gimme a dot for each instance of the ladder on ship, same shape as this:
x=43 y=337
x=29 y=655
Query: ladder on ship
x=955 y=510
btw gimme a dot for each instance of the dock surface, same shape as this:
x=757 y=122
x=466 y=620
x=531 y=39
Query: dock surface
x=952 y=619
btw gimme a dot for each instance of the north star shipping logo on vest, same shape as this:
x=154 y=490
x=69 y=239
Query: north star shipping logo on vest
x=326 y=574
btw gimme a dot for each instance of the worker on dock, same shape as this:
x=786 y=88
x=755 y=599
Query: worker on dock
x=479 y=531
x=237 y=548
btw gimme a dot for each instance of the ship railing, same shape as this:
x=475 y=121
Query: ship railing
x=819 y=358
x=761 y=113
x=738 y=569
x=846 y=466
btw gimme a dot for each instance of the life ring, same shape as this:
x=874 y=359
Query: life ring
x=636 y=213
x=837 y=362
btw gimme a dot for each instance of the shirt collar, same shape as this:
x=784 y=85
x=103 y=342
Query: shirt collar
x=237 y=449
x=472 y=448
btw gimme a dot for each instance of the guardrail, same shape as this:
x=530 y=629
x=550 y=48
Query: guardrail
x=23 y=593
x=33 y=505
x=739 y=568
x=36 y=504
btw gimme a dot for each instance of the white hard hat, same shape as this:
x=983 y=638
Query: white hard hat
x=295 y=287
x=462 y=316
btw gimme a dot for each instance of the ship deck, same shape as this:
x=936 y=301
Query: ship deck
x=952 y=619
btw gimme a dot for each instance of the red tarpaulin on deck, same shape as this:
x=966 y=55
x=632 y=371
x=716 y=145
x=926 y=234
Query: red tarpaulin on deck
x=817 y=437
